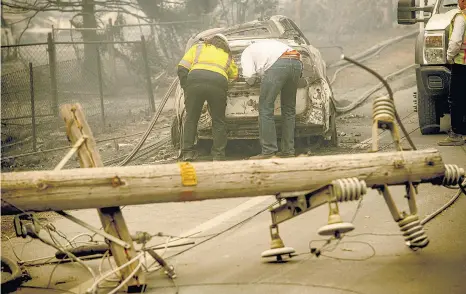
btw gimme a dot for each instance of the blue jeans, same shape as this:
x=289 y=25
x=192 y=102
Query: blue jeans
x=282 y=76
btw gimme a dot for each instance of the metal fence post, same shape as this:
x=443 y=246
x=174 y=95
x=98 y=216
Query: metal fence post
x=53 y=73
x=145 y=58
x=101 y=90
x=33 y=108
x=152 y=29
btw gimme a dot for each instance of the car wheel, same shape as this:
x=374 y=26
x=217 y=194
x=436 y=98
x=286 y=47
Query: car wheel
x=428 y=114
x=309 y=142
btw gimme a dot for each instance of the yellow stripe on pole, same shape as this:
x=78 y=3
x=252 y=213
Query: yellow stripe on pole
x=188 y=174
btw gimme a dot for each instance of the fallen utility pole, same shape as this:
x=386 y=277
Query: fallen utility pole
x=330 y=179
x=117 y=186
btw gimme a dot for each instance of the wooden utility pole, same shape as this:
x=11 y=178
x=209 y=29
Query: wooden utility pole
x=110 y=215
x=131 y=185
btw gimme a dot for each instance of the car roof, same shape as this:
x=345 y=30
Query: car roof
x=272 y=25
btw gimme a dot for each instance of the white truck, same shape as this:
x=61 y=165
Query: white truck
x=432 y=70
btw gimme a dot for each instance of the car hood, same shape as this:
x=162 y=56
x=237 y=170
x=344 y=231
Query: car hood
x=440 y=21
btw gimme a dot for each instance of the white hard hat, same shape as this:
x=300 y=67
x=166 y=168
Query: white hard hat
x=222 y=36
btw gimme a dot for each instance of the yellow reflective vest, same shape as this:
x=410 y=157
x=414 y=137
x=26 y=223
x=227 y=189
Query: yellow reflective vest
x=201 y=56
x=460 y=58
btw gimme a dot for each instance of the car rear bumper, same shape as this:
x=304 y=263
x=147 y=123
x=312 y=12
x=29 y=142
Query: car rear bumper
x=240 y=131
x=433 y=81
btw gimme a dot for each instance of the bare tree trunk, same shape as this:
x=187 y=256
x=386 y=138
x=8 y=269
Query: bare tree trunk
x=89 y=21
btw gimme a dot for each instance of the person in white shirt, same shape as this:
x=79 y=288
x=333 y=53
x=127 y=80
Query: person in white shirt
x=279 y=66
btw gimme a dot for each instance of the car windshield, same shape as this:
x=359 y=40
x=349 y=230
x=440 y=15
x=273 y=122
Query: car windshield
x=447 y=5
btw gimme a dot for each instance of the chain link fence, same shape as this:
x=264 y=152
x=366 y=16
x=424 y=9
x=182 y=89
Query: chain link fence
x=25 y=85
x=114 y=78
x=165 y=41
x=107 y=91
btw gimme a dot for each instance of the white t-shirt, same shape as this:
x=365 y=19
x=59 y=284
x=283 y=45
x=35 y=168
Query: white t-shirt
x=260 y=56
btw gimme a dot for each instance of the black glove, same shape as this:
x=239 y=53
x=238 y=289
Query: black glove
x=183 y=76
x=251 y=81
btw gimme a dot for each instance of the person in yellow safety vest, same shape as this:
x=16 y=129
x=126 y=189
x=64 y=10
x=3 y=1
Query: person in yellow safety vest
x=204 y=74
x=456 y=56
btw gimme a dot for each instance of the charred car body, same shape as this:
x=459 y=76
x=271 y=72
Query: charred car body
x=315 y=111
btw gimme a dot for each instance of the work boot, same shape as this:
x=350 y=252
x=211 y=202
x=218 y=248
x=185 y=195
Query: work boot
x=452 y=140
x=263 y=156
x=189 y=156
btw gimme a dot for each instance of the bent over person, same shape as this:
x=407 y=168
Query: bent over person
x=204 y=73
x=456 y=55
x=280 y=68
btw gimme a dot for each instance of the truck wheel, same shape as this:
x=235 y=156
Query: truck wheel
x=428 y=114
x=176 y=133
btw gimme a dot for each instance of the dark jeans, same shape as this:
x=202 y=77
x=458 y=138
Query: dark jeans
x=282 y=76
x=457 y=99
x=197 y=93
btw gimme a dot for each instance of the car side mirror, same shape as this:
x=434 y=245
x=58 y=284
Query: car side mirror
x=406 y=12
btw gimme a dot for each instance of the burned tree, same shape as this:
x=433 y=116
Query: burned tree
x=85 y=16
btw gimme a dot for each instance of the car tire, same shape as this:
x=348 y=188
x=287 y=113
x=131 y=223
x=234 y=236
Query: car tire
x=429 y=118
x=176 y=133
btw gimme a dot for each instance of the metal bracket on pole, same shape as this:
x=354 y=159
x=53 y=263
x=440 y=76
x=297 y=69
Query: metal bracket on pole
x=384 y=118
x=291 y=205
x=410 y=224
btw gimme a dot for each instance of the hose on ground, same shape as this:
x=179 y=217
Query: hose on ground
x=334 y=77
x=446 y=205
x=368 y=94
x=362 y=57
x=374 y=49
x=152 y=124
x=142 y=151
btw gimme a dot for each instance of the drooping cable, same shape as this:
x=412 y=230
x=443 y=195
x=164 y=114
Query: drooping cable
x=433 y=215
x=390 y=95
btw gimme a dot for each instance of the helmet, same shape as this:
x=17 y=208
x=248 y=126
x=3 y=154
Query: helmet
x=221 y=36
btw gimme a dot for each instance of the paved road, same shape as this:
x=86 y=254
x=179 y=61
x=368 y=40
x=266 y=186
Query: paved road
x=231 y=263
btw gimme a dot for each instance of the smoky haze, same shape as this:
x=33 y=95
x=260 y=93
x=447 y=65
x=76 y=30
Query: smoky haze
x=340 y=23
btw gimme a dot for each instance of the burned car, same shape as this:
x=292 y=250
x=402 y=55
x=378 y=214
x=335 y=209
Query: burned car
x=315 y=110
